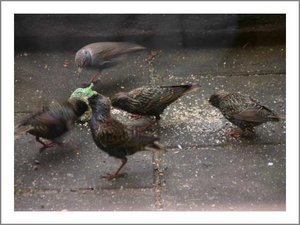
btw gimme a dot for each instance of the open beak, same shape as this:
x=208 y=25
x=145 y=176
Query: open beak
x=79 y=69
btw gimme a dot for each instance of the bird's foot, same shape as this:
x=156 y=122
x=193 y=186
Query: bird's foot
x=113 y=176
x=136 y=116
x=152 y=55
x=61 y=144
x=235 y=133
x=48 y=145
x=94 y=79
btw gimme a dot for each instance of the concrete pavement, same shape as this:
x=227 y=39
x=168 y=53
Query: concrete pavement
x=204 y=169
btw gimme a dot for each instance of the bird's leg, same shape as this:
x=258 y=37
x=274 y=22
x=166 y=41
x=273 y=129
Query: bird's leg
x=149 y=125
x=93 y=79
x=245 y=132
x=136 y=116
x=235 y=133
x=51 y=144
x=116 y=174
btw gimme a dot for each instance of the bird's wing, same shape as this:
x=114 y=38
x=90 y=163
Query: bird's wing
x=256 y=114
x=144 y=98
x=171 y=94
x=137 y=142
x=112 y=133
x=250 y=115
x=108 y=50
x=48 y=119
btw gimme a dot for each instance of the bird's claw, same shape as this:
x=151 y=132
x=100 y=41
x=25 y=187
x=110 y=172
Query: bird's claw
x=113 y=176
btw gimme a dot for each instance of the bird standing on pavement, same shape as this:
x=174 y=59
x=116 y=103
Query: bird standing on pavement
x=242 y=110
x=150 y=100
x=51 y=122
x=113 y=137
x=101 y=55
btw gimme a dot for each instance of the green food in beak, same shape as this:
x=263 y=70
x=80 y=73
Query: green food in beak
x=83 y=94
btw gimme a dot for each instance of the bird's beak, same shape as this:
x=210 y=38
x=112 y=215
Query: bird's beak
x=79 y=69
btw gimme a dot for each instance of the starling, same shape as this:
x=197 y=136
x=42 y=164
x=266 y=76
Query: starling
x=113 y=137
x=242 y=110
x=101 y=55
x=51 y=122
x=150 y=100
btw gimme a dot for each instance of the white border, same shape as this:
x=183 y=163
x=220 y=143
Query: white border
x=7 y=99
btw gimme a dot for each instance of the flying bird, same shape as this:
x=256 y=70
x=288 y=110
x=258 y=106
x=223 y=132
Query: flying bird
x=150 y=100
x=51 y=122
x=243 y=111
x=101 y=55
x=115 y=138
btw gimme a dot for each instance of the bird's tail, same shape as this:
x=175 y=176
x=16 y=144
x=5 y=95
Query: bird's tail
x=192 y=87
x=21 y=130
x=126 y=47
x=277 y=117
x=184 y=88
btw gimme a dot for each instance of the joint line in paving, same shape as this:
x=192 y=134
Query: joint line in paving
x=158 y=173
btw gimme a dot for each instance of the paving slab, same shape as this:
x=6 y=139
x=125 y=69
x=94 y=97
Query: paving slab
x=87 y=200
x=225 y=178
x=220 y=62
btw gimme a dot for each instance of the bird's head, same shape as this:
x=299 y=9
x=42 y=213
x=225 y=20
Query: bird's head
x=119 y=99
x=99 y=102
x=83 y=58
x=215 y=98
x=79 y=107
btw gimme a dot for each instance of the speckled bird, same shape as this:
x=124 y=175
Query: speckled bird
x=150 y=100
x=101 y=55
x=242 y=110
x=115 y=138
x=51 y=122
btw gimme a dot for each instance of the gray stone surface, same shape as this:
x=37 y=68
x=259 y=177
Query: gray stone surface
x=86 y=200
x=225 y=178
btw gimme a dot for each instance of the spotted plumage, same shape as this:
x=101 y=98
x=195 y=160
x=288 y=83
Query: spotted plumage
x=51 y=122
x=242 y=110
x=115 y=138
x=150 y=100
